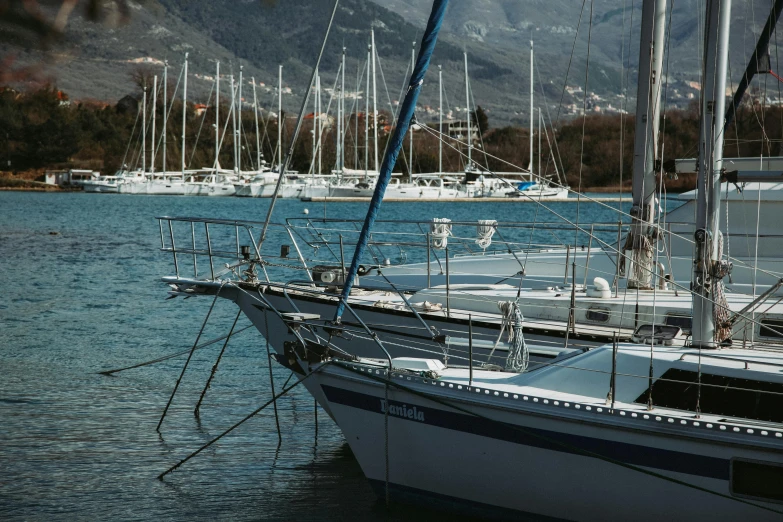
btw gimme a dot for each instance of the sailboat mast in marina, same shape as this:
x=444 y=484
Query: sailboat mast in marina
x=367 y=115
x=642 y=237
x=165 y=112
x=217 y=116
x=258 y=134
x=144 y=128
x=532 y=114
x=280 y=119
x=184 y=109
x=709 y=310
x=440 y=119
x=467 y=113
x=410 y=143
x=154 y=110
x=238 y=167
x=374 y=103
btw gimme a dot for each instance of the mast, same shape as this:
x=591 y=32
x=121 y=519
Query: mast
x=410 y=144
x=184 y=110
x=279 y=116
x=342 y=115
x=709 y=270
x=258 y=138
x=374 y=104
x=539 y=141
x=440 y=119
x=144 y=130
x=217 y=116
x=467 y=111
x=165 y=109
x=234 y=120
x=532 y=112
x=641 y=238
x=367 y=117
x=339 y=119
x=320 y=123
x=154 y=106
x=356 y=107
x=239 y=121
x=315 y=117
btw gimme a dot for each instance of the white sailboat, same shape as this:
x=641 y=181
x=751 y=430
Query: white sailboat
x=660 y=428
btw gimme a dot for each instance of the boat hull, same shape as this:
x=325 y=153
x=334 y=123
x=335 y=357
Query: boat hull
x=518 y=458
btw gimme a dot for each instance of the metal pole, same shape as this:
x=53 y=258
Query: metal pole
x=374 y=104
x=258 y=138
x=410 y=144
x=706 y=260
x=440 y=126
x=470 y=349
x=568 y=258
x=467 y=110
x=613 y=385
x=195 y=258
x=154 y=106
x=616 y=283
x=342 y=258
x=217 y=115
x=320 y=121
x=165 y=109
x=448 y=283
x=429 y=283
x=343 y=120
x=589 y=248
x=144 y=130
x=648 y=98
x=234 y=121
x=340 y=116
x=539 y=142
x=367 y=118
x=530 y=165
x=184 y=110
x=239 y=122
x=280 y=117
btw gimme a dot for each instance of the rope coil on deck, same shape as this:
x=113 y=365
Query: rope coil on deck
x=518 y=353
x=440 y=230
x=485 y=230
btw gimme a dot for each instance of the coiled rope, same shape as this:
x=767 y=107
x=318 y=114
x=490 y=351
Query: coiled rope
x=485 y=230
x=440 y=230
x=518 y=353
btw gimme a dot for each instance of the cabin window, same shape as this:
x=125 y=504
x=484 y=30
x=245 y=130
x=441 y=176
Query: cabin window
x=720 y=395
x=757 y=480
x=597 y=315
x=681 y=321
x=771 y=328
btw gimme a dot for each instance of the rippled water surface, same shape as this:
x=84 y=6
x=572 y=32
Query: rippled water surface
x=80 y=293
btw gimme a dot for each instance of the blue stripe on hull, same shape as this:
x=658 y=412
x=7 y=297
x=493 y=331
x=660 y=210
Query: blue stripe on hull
x=649 y=457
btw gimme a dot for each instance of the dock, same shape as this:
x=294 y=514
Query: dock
x=584 y=199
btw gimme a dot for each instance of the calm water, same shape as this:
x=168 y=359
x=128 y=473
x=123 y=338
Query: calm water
x=80 y=293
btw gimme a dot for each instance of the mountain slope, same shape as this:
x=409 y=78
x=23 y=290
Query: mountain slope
x=495 y=34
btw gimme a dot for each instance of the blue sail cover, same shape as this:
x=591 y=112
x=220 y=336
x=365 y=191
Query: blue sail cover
x=396 y=142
